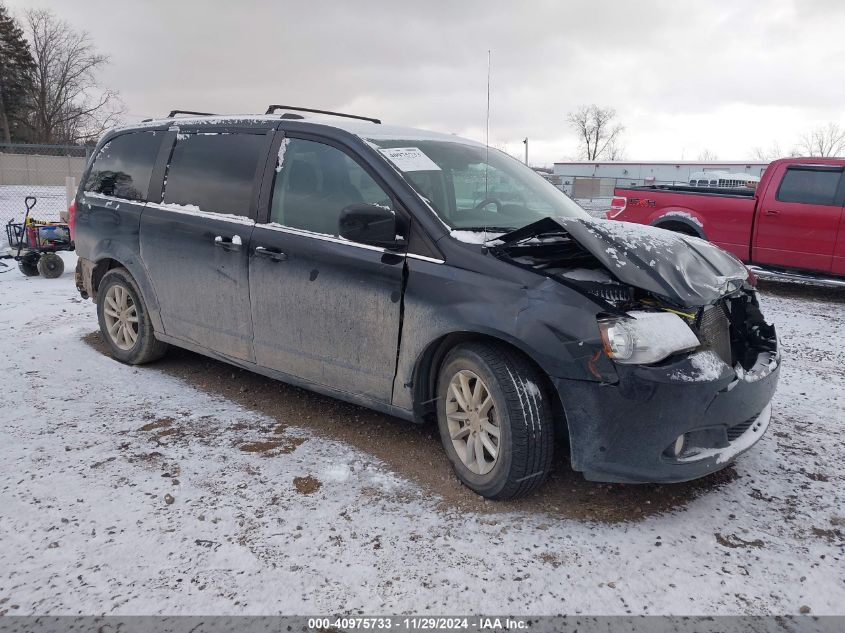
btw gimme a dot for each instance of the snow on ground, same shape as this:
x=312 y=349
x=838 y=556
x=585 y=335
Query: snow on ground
x=125 y=490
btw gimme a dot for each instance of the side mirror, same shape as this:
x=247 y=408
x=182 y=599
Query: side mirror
x=368 y=224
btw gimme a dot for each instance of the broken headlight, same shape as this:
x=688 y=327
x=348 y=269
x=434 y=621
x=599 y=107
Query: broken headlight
x=646 y=337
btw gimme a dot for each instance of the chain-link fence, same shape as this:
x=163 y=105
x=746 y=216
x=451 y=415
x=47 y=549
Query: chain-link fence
x=48 y=172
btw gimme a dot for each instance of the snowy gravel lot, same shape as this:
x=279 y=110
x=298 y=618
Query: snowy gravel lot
x=150 y=490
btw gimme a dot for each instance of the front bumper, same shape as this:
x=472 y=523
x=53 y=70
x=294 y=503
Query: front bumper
x=624 y=432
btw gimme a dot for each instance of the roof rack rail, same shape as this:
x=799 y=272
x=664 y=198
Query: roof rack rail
x=272 y=109
x=173 y=113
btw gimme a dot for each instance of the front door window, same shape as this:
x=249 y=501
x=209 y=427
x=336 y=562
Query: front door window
x=315 y=182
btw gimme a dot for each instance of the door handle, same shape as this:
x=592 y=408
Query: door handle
x=228 y=243
x=771 y=212
x=271 y=254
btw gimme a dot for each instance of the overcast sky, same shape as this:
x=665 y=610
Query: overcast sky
x=724 y=75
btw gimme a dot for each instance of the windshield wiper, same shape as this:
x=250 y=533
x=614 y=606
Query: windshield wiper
x=546 y=226
x=484 y=229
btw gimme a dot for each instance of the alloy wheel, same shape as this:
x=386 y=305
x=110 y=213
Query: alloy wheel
x=121 y=316
x=472 y=422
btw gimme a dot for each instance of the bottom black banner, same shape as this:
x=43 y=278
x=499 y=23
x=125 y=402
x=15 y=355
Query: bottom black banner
x=420 y=624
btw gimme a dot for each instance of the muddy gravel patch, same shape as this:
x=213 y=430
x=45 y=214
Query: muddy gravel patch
x=272 y=447
x=157 y=424
x=306 y=485
x=414 y=451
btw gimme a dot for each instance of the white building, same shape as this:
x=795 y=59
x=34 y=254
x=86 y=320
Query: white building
x=654 y=172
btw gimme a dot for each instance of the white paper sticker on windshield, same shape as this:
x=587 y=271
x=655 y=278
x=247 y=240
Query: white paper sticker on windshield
x=409 y=159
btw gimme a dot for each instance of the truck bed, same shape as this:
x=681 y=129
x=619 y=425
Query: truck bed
x=722 y=216
x=732 y=192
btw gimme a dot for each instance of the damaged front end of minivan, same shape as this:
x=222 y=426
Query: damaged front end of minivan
x=696 y=365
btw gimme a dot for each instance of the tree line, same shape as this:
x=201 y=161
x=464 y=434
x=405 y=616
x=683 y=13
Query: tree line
x=49 y=87
x=600 y=138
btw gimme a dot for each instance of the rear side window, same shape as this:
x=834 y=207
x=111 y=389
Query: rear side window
x=809 y=186
x=214 y=172
x=123 y=166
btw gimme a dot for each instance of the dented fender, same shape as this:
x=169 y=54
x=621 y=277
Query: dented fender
x=553 y=325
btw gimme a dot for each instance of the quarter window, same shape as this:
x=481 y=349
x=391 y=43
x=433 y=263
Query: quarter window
x=809 y=186
x=214 y=172
x=315 y=182
x=123 y=166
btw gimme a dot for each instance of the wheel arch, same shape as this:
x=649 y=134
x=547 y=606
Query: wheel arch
x=680 y=224
x=104 y=264
x=429 y=362
x=99 y=270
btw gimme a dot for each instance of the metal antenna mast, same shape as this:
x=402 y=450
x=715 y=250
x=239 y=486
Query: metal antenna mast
x=487 y=139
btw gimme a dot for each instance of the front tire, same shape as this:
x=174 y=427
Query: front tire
x=51 y=266
x=495 y=420
x=124 y=320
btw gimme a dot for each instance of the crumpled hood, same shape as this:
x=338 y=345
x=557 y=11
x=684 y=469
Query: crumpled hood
x=685 y=270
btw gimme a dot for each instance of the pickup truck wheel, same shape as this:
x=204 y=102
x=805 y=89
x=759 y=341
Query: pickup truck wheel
x=124 y=320
x=494 y=420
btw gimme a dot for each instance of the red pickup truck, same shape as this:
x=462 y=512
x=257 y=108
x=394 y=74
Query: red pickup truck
x=792 y=226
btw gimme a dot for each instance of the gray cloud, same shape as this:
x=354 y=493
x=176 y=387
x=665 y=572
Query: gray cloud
x=724 y=75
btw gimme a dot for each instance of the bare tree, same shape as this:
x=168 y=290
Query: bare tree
x=767 y=154
x=616 y=150
x=772 y=152
x=827 y=140
x=707 y=155
x=598 y=134
x=67 y=105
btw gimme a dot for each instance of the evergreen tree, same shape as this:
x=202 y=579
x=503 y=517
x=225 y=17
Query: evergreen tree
x=16 y=66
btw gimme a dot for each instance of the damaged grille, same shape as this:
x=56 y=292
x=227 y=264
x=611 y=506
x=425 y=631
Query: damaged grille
x=714 y=330
x=735 y=431
x=611 y=292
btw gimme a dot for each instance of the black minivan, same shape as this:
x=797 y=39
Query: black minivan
x=432 y=278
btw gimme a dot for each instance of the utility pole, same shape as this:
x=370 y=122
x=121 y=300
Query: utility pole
x=526 y=150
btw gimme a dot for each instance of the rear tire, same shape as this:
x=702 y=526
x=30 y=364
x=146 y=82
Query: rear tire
x=51 y=266
x=28 y=266
x=491 y=399
x=124 y=320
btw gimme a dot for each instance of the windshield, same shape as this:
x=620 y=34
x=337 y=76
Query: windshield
x=472 y=187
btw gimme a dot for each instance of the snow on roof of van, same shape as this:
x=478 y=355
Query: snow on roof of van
x=201 y=120
x=379 y=132
x=364 y=129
